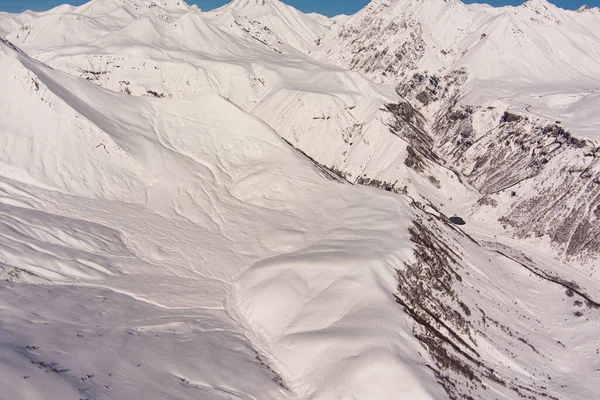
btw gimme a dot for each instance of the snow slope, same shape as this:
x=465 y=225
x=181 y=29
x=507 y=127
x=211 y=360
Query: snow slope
x=335 y=116
x=12 y=22
x=185 y=210
x=189 y=211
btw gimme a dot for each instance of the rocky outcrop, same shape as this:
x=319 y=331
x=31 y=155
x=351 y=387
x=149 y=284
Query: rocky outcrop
x=546 y=177
x=459 y=314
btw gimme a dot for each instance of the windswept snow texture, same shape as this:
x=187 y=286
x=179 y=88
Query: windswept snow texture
x=190 y=258
x=254 y=202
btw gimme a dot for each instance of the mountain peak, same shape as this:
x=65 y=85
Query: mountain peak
x=254 y=3
x=585 y=8
x=161 y=3
x=293 y=27
x=133 y=8
x=256 y=8
x=537 y=4
x=167 y=4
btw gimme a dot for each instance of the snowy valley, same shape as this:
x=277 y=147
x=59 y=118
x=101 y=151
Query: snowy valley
x=254 y=202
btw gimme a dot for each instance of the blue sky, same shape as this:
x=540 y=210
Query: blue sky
x=327 y=7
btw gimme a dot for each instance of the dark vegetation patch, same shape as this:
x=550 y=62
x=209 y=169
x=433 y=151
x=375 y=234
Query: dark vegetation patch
x=93 y=75
x=50 y=367
x=558 y=131
x=434 y=181
x=276 y=377
x=438 y=326
x=510 y=117
x=430 y=292
x=409 y=124
x=518 y=150
x=383 y=185
x=414 y=160
x=427 y=89
x=155 y=94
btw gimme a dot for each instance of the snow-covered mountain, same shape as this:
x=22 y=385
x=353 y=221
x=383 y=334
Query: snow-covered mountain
x=254 y=202
x=463 y=66
x=533 y=43
x=290 y=27
x=12 y=22
x=532 y=55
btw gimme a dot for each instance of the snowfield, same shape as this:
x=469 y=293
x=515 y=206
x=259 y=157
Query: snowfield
x=222 y=205
x=200 y=216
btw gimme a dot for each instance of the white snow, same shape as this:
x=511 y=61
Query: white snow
x=161 y=236
x=189 y=210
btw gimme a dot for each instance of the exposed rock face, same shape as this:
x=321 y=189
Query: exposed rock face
x=456 y=319
x=546 y=177
x=376 y=44
x=534 y=177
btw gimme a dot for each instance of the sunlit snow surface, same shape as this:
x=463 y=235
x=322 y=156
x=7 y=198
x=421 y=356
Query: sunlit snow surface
x=172 y=226
x=160 y=240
